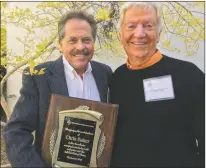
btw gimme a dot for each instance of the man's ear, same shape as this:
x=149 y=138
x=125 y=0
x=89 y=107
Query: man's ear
x=60 y=46
x=158 y=36
x=119 y=36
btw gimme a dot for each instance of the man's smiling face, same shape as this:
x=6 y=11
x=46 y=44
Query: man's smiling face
x=139 y=33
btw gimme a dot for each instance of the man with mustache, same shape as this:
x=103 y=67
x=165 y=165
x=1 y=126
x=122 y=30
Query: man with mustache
x=73 y=74
x=161 y=99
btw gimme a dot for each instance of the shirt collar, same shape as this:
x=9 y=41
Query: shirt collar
x=154 y=59
x=69 y=68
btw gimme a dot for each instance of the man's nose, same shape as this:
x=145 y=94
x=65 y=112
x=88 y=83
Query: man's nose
x=80 y=45
x=139 y=31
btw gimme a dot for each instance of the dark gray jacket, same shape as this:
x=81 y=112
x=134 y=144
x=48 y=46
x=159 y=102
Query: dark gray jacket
x=30 y=111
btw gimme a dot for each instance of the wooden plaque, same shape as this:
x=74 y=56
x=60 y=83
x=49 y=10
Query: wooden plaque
x=78 y=132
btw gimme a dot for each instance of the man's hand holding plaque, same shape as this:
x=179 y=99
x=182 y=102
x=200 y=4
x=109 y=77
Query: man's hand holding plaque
x=79 y=132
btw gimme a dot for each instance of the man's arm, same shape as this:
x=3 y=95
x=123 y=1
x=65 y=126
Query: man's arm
x=199 y=109
x=23 y=121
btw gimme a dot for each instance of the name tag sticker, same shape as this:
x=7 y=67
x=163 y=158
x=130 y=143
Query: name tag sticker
x=159 y=88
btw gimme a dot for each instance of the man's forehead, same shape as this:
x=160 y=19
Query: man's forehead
x=80 y=37
x=77 y=24
x=77 y=28
x=140 y=10
x=132 y=12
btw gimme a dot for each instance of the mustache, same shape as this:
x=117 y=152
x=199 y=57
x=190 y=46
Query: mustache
x=84 y=52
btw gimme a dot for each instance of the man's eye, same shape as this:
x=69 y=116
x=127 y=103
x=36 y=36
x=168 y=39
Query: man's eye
x=71 y=41
x=131 y=27
x=148 y=26
x=88 y=40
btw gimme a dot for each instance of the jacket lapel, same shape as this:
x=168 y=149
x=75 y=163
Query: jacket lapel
x=100 y=81
x=56 y=79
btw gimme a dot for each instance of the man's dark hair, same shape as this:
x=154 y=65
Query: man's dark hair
x=76 y=15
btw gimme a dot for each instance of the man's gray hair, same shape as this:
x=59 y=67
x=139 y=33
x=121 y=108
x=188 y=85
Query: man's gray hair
x=82 y=15
x=142 y=5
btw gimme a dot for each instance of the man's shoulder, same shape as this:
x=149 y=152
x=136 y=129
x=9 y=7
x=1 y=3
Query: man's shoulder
x=98 y=64
x=177 y=63
x=101 y=66
x=120 y=69
x=45 y=65
x=48 y=63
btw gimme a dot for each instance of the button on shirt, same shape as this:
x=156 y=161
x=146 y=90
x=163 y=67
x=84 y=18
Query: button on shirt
x=85 y=88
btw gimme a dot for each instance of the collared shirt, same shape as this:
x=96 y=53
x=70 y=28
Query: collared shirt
x=85 y=88
x=154 y=59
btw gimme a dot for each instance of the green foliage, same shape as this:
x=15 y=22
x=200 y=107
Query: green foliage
x=3 y=61
x=3 y=41
x=179 y=19
x=102 y=15
x=3 y=30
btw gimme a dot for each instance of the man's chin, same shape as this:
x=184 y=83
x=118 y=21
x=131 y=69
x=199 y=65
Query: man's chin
x=138 y=56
